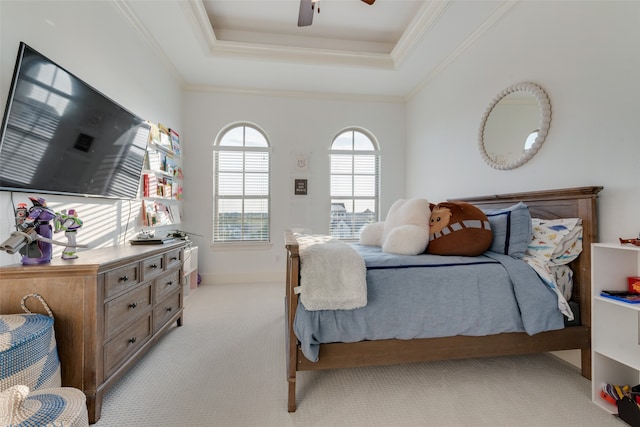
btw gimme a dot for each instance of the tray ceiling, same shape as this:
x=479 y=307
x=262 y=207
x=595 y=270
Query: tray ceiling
x=388 y=49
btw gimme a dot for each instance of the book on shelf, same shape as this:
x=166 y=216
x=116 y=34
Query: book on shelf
x=152 y=160
x=176 y=191
x=177 y=173
x=156 y=214
x=163 y=214
x=624 y=296
x=175 y=141
x=150 y=185
x=168 y=165
x=145 y=185
x=154 y=133
x=148 y=214
x=175 y=214
x=165 y=139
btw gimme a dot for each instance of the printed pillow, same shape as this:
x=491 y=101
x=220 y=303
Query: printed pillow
x=563 y=276
x=556 y=240
x=511 y=228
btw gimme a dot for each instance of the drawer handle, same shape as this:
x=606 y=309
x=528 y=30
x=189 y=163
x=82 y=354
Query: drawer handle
x=133 y=305
x=175 y=258
x=132 y=340
x=123 y=278
x=153 y=266
x=170 y=282
x=168 y=309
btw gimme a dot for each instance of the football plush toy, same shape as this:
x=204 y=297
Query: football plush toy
x=458 y=228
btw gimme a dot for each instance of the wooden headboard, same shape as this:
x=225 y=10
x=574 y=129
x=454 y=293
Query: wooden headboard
x=579 y=202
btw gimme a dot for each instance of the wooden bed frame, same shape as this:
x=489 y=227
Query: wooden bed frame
x=564 y=203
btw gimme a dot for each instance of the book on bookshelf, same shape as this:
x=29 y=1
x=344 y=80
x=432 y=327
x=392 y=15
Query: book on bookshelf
x=176 y=191
x=154 y=133
x=165 y=139
x=624 y=296
x=150 y=185
x=175 y=141
x=177 y=172
x=175 y=214
x=153 y=160
x=157 y=214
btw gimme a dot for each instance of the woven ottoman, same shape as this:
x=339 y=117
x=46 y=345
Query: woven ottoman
x=59 y=407
x=28 y=352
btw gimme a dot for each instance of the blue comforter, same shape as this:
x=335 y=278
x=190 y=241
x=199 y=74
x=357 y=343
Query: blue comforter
x=427 y=296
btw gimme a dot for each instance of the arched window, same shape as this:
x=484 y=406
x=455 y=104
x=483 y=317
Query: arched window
x=242 y=171
x=354 y=159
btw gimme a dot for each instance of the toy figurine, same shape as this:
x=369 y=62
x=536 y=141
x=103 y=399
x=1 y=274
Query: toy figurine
x=37 y=251
x=69 y=223
x=635 y=242
x=32 y=237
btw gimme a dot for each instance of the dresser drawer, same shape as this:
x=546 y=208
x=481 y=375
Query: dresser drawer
x=120 y=279
x=174 y=258
x=166 y=284
x=167 y=308
x=125 y=344
x=124 y=309
x=151 y=267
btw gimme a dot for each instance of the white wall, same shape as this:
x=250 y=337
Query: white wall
x=293 y=124
x=93 y=41
x=585 y=56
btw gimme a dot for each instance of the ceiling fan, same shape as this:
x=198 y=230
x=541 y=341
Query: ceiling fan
x=307 y=7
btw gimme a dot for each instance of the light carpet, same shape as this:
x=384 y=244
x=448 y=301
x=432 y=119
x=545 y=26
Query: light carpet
x=226 y=367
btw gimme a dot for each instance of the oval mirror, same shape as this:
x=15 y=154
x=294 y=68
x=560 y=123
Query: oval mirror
x=514 y=126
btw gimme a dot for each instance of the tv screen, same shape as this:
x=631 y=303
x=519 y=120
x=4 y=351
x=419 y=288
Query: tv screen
x=62 y=136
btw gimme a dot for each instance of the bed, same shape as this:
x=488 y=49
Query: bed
x=578 y=202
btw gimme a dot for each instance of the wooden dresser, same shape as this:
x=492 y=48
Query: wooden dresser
x=110 y=305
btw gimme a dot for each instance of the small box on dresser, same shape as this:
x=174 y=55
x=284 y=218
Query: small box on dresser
x=615 y=324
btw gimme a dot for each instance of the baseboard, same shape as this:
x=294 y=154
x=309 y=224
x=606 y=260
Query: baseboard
x=258 y=277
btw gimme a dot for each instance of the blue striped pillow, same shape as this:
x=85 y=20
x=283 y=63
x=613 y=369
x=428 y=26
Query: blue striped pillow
x=511 y=228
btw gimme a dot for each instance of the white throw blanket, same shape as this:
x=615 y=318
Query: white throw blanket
x=332 y=274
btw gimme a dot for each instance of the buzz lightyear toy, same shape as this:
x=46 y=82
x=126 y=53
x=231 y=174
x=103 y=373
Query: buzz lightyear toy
x=69 y=223
x=32 y=237
x=33 y=233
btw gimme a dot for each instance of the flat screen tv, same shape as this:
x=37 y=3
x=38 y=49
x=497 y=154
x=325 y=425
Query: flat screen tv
x=59 y=135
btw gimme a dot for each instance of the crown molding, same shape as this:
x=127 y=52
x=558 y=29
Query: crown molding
x=195 y=11
x=333 y=96
x=303 y=55
x=426 y=17
x=488 y=23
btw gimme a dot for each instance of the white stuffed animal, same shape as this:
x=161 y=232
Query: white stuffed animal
x=405 y=230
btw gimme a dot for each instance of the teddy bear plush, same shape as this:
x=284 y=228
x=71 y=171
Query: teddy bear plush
x=405 y=230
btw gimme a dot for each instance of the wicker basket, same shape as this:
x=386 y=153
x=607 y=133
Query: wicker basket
x=60 y=407
x=28 y=350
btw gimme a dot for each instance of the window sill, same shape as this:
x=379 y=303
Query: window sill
x=240 y=246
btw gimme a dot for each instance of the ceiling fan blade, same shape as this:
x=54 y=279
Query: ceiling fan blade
x=305 y=16
x=369 y=2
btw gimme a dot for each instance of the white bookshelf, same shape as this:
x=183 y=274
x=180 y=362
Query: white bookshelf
x=615 y=326
x=162 y=179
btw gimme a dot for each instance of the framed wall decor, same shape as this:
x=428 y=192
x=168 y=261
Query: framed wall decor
x=300 y=187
